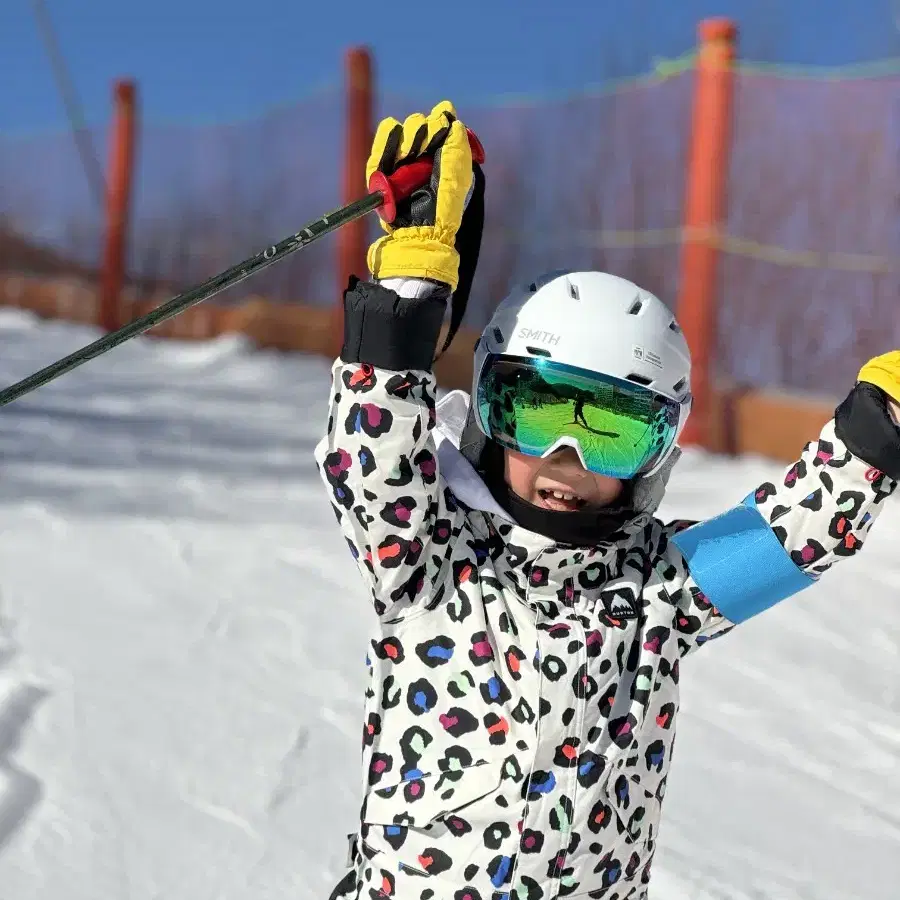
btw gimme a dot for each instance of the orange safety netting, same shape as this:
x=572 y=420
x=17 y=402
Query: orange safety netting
x=809 y=275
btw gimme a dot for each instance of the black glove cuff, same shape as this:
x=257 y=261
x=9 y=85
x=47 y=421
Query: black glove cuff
x=389 y=331
x=863 y=422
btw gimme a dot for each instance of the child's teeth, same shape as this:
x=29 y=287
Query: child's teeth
x=561 y=496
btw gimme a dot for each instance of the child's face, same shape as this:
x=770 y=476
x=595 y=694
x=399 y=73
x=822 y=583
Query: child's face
x=542 y=481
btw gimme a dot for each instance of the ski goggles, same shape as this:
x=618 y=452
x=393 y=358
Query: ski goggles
x=537 y=406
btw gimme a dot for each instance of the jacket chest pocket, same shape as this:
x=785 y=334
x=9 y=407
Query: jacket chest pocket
x=458 y=827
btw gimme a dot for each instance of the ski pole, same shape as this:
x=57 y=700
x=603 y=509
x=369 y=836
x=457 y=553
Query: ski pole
x=385 y=191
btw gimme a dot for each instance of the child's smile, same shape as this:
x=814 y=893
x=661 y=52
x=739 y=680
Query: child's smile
x=559 y=482
x=560 y=498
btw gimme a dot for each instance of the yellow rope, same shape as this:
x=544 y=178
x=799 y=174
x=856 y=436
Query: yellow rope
x=836 y=261
x=879 y=68
x=623 y=239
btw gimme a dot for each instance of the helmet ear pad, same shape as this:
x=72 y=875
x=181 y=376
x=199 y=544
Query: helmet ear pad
x=474 y=443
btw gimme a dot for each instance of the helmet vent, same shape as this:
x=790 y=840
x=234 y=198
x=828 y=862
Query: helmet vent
x=679 y=385
x=639 y=379
x=498 y=335
x=573 y=290
x=674 y=326
x=539 y=351
x=636 y=306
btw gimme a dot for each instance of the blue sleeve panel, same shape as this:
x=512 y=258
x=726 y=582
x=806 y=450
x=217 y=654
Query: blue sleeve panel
x=739 y=563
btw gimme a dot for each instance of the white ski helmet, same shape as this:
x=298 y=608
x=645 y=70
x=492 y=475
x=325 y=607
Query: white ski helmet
x=597 y=322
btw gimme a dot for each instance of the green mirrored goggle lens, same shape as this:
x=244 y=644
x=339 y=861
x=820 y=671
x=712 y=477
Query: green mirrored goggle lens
x=528 y=405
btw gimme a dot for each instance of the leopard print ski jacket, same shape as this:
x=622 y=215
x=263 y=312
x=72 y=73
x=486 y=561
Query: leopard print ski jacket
x=522 y=699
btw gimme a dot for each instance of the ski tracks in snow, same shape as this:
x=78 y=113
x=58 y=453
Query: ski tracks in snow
x=20 y=790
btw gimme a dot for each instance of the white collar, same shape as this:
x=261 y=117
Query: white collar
x=459 y=474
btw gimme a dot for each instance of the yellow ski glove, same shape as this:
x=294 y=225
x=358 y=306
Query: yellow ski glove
x=884 y=372
x=421 y=242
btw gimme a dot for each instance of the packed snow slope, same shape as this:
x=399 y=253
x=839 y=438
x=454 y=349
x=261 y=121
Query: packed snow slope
x=182 y=635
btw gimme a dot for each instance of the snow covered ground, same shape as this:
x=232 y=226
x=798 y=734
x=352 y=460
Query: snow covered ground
x=182 y=637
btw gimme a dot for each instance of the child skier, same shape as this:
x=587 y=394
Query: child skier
x=531 y=610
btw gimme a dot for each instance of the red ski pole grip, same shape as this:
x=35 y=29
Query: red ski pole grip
x=409 y=178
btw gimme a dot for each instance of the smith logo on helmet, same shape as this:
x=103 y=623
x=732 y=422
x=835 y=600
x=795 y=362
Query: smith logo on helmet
x=533 y=334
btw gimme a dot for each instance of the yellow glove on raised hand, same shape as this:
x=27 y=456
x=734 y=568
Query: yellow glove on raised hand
x=421 y=241
x=884 y=372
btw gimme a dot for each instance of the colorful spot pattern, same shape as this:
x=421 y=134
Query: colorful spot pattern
x=521 y=709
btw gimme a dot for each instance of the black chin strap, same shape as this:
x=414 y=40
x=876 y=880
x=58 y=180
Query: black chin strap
x=580 y=528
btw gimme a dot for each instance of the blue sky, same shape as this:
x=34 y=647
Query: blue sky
x=217 y=60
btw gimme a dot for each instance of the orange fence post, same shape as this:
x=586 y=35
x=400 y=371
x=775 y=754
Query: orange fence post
x=358 y=133
x=119 y=181
x=704 y=211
